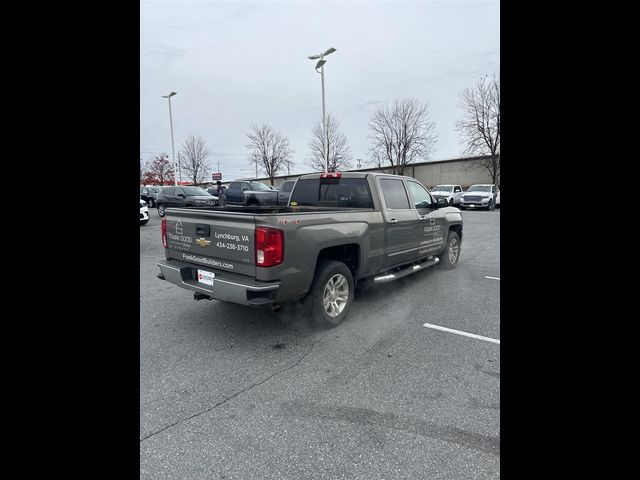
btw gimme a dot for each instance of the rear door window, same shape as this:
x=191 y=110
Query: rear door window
x=169 y=191
x=394 y=193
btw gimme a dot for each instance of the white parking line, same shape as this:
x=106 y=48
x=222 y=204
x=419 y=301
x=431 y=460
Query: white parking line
x=492 y=278
x=458 y=332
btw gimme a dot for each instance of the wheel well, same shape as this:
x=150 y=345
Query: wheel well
x=457 y=229
x=347 y=254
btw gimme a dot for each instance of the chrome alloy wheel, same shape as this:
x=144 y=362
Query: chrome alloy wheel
x=454 y=250
x=336 y=295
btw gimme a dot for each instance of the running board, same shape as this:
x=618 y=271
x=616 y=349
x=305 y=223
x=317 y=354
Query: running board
x=407 y=271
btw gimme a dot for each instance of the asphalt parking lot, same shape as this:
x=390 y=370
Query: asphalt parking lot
x=230 y=392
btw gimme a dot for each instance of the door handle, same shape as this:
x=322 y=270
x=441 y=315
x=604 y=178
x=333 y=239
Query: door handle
x=393 y=221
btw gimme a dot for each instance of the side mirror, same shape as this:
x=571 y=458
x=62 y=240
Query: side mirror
x=181 y=195
x=244 y=188
x=442 y=202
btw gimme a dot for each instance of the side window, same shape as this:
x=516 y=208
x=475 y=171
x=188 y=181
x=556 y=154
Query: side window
x=286 y=188
x=457 y=189
x=179 y=191
x=493 y=189
x=394 y=193
x=421 y=197
x=234 y=186
x=169 y=191
x=245 y=185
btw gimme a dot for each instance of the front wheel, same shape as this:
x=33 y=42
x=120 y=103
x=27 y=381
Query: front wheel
x=451 y=254
x=331 y=294
x=161 y=210
x=491 y=206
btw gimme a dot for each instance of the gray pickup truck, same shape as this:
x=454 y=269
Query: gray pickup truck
x=338 y=229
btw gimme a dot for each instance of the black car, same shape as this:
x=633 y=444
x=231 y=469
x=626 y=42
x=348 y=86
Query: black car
x=184 y=197
x=149 y=194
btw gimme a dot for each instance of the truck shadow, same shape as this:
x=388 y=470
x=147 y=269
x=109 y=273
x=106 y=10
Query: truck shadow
x=239 y=323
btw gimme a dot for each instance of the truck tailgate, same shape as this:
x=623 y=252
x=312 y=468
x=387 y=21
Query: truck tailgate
x=218 y=240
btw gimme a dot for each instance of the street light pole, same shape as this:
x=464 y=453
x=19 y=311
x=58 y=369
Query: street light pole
x=324 y=125
x=173 y=151
x=320 y=64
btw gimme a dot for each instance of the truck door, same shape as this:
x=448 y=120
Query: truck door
x=430 y=233
x=400 y=223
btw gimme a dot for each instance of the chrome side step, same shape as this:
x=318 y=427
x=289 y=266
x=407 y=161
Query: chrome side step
x=390 y=277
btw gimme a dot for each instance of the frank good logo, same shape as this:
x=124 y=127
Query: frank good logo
x=179 y=227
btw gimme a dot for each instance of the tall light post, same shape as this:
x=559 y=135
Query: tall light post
x=173 y=151
x=320 y=65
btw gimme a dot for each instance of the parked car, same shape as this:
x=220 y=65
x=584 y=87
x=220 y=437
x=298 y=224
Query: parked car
x=273 y=196
x=144 y=212
x=451 y=193
x=149 y=194
x=257 y=193
x=184 y=197
x=236 y=189
x=481 y=196
x=214 y=190
x=339 y=229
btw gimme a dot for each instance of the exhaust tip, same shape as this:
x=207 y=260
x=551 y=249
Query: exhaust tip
x=276 y=307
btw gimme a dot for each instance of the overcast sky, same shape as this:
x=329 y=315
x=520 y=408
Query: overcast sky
x=236 y=64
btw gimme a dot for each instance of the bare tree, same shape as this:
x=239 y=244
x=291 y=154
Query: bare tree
x=159 y=171
x=193 y=160
x=338 y=149
x=401 y=134
x=480 y=124
x=269 y=150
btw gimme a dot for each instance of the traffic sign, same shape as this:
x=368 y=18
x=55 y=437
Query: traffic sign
x=216 y=176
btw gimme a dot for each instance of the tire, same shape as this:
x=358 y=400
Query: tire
x=144 y=222
x=447 y=261
x=451 y=202
x=161 y=211
x=491 y=207
x=330 y=273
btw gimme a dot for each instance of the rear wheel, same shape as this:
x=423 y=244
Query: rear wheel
x=161 y=209
x=451 y=254
x=331 y=294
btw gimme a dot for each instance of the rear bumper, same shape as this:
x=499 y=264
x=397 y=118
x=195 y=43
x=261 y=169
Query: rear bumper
x=227 y=287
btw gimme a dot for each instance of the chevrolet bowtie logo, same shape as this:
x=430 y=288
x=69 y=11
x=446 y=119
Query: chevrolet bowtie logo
x=203 y=242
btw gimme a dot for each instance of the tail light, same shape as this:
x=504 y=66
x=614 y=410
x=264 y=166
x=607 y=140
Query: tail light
x=164 y=232
x=331 y=175
x=269 y=246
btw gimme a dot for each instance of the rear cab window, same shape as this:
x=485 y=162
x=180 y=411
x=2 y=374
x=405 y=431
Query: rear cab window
x=342 y=192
